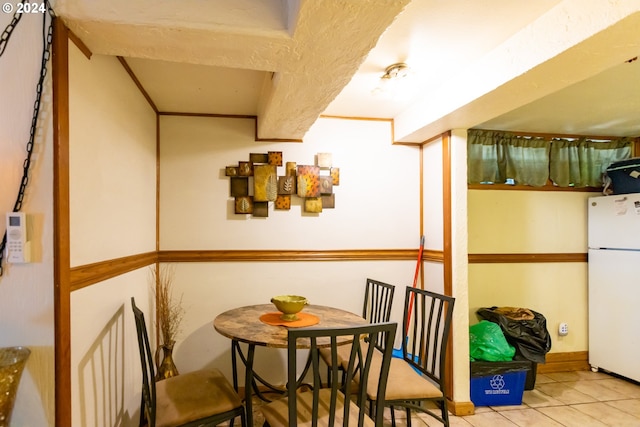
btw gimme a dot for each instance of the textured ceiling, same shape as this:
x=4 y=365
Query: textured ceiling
x=554 y=66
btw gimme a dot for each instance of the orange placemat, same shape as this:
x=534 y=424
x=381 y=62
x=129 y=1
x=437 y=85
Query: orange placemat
x=304 y=319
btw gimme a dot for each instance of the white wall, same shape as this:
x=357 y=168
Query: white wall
x=106 y=373
x=376 y=201
x=433 y=197
x=376 y=208
x=112 y=183
x=433 y=220
x=26 y=291
x=112 y=156
x=209 y=289
x=459 y=267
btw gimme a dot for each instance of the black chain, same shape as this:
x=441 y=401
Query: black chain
x=46 y=54
x=6 y=34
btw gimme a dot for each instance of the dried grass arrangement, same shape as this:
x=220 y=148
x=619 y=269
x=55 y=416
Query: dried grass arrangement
x=169 y=308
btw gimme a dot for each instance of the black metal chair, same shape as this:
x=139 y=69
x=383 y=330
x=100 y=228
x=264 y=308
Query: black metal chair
x=316 y=405
x=198 y=398
x=378 y=299
x=420 y=375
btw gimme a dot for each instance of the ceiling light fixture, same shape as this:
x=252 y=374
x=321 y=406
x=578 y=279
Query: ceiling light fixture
x=392 y=75
x=396 y=71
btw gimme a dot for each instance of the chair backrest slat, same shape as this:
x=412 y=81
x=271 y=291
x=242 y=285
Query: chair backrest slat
x=148 y=406
x=359 y=366
x=427 y=332
x=378 y=300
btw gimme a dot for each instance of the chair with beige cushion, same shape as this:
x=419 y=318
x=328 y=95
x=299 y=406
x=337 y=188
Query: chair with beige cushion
x=420 y=375
x=378 y=299
x=315 y=404
x=198 y=398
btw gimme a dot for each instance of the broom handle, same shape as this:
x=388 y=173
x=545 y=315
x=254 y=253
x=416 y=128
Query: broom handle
x=415 y=280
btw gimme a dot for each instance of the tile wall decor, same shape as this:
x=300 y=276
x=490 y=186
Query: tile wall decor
x=255 y=184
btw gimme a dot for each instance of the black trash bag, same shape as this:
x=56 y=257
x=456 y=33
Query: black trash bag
x=483 y=369
x=528 y=335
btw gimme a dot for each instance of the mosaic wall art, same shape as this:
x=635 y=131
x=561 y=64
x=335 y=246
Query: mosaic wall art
x=255 y=184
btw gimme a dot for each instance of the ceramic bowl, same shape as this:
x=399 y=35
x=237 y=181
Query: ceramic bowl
x=289 y=305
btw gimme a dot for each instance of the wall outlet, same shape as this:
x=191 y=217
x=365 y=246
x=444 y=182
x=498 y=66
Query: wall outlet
x=563 y=329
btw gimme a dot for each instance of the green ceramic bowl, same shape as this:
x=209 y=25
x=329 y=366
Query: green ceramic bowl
x=289 y=305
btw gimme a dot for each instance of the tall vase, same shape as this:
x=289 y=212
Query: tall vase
x=12 y=362
x=165 y=368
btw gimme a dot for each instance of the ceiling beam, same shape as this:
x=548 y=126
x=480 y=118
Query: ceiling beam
x=343 y=33
x=544 y=57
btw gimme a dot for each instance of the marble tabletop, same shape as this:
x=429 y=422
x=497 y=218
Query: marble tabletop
x=243 y=323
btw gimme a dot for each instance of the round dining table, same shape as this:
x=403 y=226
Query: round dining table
x=244 y=325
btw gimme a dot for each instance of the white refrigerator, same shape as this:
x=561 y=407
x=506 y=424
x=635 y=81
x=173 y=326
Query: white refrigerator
x=614 y=284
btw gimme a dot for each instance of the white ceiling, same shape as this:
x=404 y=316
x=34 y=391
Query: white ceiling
x=552 y=66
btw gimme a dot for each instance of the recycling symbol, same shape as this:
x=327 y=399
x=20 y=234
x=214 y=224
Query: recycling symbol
x=497 y=382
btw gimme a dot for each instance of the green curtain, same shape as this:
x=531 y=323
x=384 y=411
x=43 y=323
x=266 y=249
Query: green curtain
x=582 y=162
x=494 y=157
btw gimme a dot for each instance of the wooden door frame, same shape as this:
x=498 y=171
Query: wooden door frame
x=61 y=226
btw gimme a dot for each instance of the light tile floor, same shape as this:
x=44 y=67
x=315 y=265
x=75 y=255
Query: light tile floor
x=569 y=399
